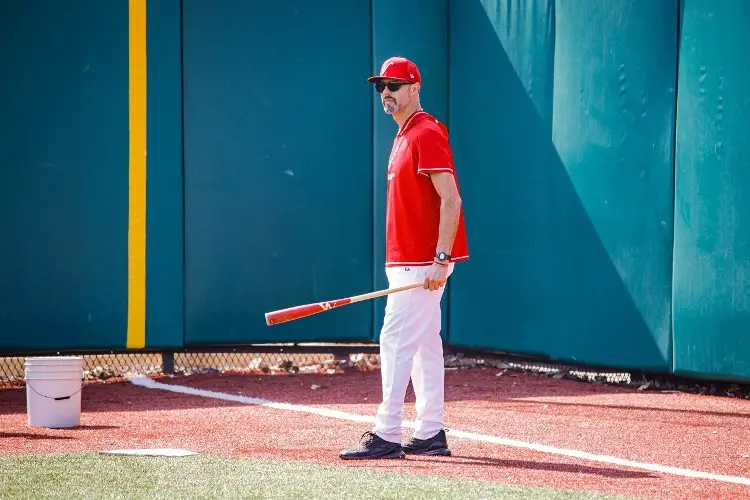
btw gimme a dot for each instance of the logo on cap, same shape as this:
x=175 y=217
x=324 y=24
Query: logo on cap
x=398 y=68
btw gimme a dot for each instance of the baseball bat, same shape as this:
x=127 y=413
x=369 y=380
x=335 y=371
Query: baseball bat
x=297 y=312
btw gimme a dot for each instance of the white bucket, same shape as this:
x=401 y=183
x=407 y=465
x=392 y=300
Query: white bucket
x=53 y=391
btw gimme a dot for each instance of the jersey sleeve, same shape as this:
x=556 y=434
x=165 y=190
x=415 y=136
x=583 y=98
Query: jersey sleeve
x=433 y=152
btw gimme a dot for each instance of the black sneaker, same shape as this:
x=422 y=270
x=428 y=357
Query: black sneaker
x=436 y=445
x=373 y=446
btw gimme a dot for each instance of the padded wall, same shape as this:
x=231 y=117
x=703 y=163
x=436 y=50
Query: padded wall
x=569 y=202
x=712 y=205
x=64 y=176
x=278 y=168
x=164 y=244
x=501 y=136
x=426 y=43
x=562 y=122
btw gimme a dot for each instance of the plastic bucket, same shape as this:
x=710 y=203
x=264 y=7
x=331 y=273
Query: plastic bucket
x=53 y=391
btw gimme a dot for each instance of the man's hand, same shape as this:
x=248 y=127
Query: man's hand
x=436 y=276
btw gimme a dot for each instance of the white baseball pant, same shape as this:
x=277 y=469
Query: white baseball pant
x=411 y=347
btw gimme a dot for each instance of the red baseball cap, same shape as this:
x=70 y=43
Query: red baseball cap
x=398 y=68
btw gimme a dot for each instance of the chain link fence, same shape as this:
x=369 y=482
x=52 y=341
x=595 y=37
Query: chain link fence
x=289 y=360
x=335 y=359
x=642 y=381
x=115 y=367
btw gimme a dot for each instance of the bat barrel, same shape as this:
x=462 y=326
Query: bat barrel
x=293 y=313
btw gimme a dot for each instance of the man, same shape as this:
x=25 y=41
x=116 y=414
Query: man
x=425 y=237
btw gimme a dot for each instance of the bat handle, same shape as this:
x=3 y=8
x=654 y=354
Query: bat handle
x=386 y=291
x=297 y=312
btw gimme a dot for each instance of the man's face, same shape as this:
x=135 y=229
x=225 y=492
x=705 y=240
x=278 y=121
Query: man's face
x=396 y=99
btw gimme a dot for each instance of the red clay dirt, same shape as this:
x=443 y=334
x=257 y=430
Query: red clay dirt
x=697 y=432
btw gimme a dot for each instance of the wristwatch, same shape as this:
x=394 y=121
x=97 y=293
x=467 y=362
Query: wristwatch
x=442 y=257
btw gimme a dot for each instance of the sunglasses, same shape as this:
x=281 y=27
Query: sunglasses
x=392 y=86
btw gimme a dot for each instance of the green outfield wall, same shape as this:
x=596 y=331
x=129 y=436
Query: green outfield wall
x=170 y=171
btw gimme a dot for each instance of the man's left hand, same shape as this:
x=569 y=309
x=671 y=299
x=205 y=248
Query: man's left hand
x=436 y=277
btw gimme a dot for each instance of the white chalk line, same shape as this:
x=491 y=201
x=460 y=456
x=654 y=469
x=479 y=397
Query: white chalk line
x=483 y=438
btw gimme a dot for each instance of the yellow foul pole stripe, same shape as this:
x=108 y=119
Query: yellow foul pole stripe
x=137 y=182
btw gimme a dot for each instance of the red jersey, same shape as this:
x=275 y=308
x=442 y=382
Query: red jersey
x=412 y=203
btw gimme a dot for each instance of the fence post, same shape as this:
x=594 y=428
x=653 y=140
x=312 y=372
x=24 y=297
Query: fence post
x=167 y=360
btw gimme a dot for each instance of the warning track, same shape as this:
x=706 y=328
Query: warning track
x=521 y=430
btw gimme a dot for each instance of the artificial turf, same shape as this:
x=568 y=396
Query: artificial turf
x=92 y=475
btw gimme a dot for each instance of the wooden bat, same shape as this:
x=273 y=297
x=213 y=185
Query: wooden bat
x=297 y=312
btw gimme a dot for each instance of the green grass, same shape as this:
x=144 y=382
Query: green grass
x=100 y=476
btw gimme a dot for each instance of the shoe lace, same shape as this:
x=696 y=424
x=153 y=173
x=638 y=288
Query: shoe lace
x=367 y=437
